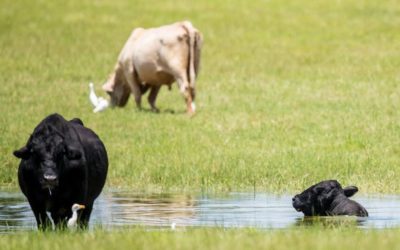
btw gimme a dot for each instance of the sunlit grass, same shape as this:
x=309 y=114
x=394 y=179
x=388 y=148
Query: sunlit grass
x=314 y=238
x=290 y=92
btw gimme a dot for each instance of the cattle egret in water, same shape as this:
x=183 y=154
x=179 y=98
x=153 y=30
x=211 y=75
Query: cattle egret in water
x=99 y=103
x=72 y=221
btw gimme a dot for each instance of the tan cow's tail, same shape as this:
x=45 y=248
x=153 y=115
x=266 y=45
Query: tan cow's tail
x=195 y=44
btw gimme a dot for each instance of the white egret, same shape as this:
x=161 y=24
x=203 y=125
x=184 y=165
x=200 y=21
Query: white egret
x=102 y=104
x=92 y=95
x=99 y=103
x=72 y=221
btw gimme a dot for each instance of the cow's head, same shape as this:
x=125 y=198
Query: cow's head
x=47 y=155
x=317 y=199
x=117 y=88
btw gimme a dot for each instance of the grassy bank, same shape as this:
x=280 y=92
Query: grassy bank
x=290 y=92
x=207 y=239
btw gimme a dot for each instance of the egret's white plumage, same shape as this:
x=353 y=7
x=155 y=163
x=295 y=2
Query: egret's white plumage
x=72 y=221
x=99 y=103
x=92 y=95
x=102 y=104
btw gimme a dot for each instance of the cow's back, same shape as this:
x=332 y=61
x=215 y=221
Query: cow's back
x=156 y=53
x=349 y=207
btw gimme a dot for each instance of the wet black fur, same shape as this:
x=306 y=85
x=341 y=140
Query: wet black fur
x=328 y=198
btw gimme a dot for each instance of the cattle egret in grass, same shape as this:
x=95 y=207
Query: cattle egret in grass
x=72 y=221
x=99 y=103
x=92 y=95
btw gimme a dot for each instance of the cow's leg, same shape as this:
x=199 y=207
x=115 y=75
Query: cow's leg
x=187 y=92
x=39 y=210
x=60 y=218
x=153 y=96
x=135 y=87
x=144 y=87
x=42 y=220
x=59 y=221
x=84 y=216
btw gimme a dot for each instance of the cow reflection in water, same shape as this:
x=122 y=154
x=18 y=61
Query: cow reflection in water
x=330 y=221
x=152 y=209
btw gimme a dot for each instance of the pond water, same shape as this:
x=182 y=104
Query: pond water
x=115 y=209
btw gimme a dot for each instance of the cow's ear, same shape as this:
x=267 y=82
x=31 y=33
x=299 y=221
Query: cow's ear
x=22 y=153
x=73 y=153
x=77 y=121
x=350 y=190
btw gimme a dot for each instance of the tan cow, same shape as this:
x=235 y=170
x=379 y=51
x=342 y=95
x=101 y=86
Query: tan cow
x=155 y=57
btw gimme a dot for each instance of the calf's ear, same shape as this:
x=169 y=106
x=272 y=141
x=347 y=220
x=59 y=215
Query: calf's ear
x=22 y=153
x=73 y=153
x=350 y=190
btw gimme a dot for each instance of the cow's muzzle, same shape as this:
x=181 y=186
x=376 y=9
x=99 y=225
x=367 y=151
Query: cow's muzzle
x=297 y=204
x=50 y=179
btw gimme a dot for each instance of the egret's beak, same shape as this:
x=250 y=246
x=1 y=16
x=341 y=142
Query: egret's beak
x=81 y=206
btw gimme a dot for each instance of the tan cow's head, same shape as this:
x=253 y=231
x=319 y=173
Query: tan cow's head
x=118 y=90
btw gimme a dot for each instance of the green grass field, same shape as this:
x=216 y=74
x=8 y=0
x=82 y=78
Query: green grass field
x=290 y=92
x=315 y=238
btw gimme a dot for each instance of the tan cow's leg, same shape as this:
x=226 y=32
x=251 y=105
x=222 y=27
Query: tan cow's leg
x=134 y=85
x=144 y=87
x=153 y=96
x=185 y=90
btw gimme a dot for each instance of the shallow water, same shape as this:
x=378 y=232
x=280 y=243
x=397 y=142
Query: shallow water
x=258 y=210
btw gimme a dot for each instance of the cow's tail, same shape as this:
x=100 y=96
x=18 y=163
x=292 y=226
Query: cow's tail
x=195 y=44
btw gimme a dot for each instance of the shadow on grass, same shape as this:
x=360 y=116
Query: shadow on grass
x=161 y=112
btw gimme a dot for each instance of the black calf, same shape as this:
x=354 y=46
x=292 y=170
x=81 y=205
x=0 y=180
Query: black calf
x=328 y=198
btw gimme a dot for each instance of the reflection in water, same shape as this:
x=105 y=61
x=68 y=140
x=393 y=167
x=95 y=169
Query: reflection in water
x=15 y=213
x=123 y=208
x=331 y=221
x=116 y=209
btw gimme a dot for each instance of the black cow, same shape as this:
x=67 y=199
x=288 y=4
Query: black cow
x=62 y=163
x=328 y=198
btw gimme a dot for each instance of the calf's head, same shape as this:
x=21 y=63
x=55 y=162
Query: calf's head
x=317 y=199
x=47 y=155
